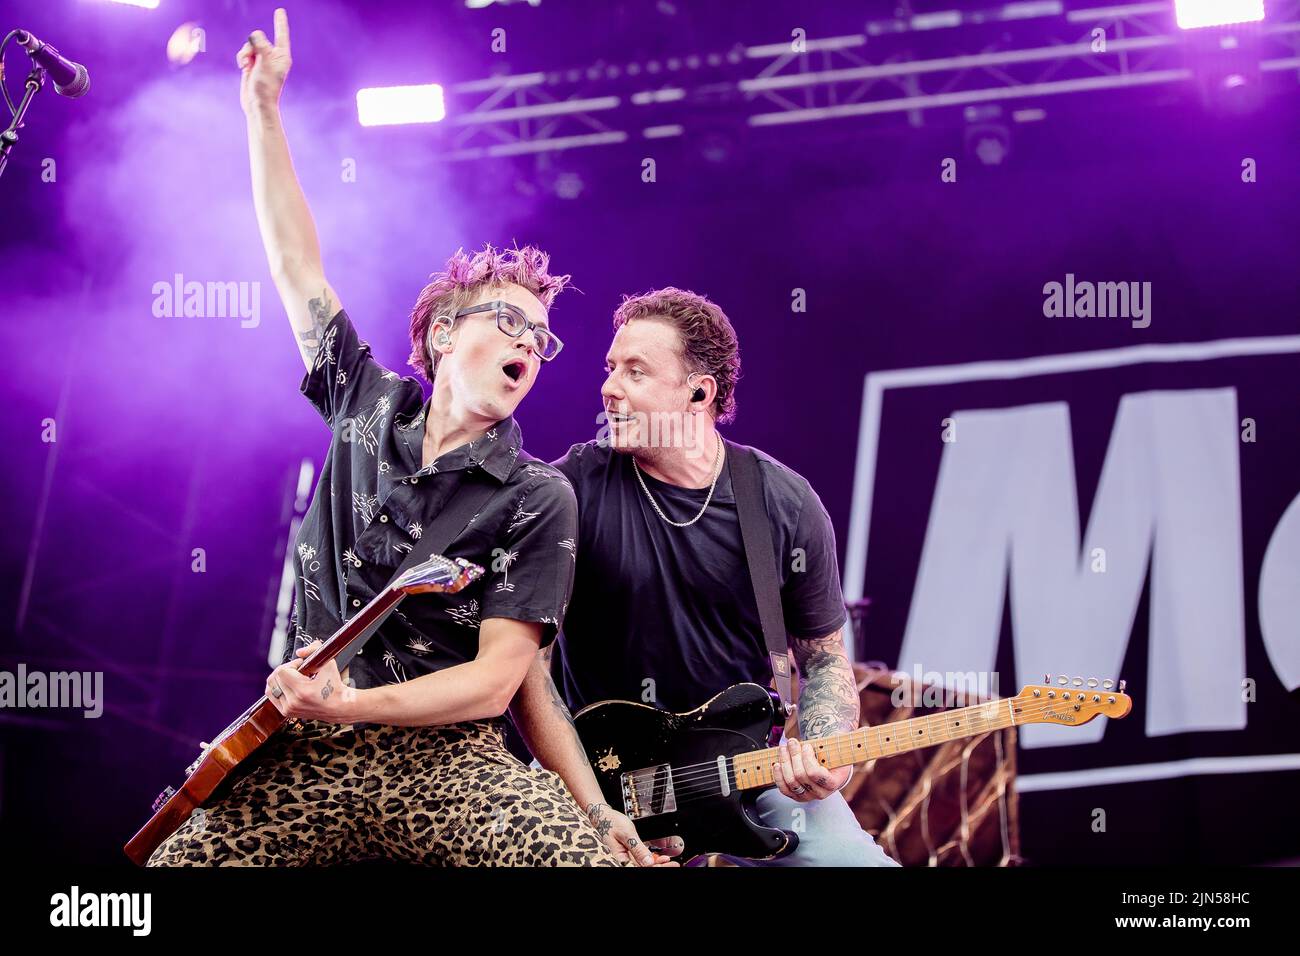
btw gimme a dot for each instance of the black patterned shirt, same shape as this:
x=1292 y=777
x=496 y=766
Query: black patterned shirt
x=374 y=500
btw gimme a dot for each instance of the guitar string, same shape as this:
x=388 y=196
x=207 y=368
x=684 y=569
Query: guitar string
x=694 y=792
x=708 y=770
x=688 y=783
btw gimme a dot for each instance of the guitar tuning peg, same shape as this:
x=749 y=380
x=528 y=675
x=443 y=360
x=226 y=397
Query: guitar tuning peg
x=1092 y=682
x=1047 y=678
x=1107 y=684
x=1062 y=681
x=1077 y=682
x=1122 y=685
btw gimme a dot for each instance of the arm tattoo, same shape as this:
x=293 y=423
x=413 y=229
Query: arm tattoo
x=829 y=701
x=558 y=703
x=602 y=823
x=556 y=700
x=321 y=311
x=327 y=690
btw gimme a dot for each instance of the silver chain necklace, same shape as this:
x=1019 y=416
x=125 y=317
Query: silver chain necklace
x=717 y=470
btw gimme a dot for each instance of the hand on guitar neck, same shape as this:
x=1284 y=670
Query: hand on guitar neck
x=324 y=696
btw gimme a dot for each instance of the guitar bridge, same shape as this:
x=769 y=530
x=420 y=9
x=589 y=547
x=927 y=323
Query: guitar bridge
x=648 y=792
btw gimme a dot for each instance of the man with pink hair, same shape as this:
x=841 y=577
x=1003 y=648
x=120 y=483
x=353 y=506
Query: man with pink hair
x=401 y=756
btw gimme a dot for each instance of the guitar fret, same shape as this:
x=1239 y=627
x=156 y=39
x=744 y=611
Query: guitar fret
x=868 y=743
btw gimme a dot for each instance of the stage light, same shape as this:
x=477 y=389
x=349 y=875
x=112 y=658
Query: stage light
x=187 y=41
x=987 y=135
x=1216 y=13
x=147 y=4
x=398 y=105
x=568 y=185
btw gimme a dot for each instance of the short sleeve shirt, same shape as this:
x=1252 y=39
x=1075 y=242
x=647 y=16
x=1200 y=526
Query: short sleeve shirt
x=667 y=615
x=374 y=500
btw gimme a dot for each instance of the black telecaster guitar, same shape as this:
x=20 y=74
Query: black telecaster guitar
x=696 y=775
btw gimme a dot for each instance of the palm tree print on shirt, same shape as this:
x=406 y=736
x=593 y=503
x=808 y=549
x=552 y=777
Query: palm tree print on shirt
x=326 y=351
x=506 y=560
x=466 y=614
x=521 y=518
x=364 y=427
x=395 y=665
x=538 y=471
x=365 y=505
x=307 y=557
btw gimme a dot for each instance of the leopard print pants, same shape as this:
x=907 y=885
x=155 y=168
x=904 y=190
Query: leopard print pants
x=319 y=794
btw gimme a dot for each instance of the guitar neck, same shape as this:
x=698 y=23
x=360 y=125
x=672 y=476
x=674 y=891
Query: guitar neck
x=755 y=769
x=345 y=642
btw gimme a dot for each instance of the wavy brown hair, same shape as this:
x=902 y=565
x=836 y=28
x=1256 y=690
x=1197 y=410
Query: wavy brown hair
x=709 y=344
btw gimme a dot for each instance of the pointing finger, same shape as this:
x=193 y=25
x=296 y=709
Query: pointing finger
x=282 y=29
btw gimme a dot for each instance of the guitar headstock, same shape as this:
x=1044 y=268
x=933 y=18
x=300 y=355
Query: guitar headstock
x=1070 y=701
x=438 y=575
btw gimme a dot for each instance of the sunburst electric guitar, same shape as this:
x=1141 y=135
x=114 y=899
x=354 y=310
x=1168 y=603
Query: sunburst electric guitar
x=697 y=775
x=256 y=725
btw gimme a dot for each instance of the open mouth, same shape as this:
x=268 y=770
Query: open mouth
x=514 y=370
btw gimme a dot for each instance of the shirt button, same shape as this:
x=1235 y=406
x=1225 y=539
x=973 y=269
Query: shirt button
x=356 y=602
x=383 y=517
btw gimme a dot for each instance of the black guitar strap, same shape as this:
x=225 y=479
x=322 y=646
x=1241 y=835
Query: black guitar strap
x=756 y=533
x=469 y=499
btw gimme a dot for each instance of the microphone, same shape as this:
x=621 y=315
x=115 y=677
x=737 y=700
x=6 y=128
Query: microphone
x=70 y=79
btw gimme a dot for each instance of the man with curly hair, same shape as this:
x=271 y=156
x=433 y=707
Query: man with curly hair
x=662 y=610
x=402 y=755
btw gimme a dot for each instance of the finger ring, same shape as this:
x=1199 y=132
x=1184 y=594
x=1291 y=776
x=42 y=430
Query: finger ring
x=277 y=691
x=797 y=790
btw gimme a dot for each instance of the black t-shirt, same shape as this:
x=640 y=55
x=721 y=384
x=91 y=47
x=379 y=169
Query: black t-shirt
x=665 y=615
x=374 y=500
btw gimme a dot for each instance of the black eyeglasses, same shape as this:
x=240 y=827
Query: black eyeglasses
x=512 y=321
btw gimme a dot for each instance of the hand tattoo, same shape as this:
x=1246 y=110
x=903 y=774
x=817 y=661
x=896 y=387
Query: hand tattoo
x=602 y=823
x=327 y=690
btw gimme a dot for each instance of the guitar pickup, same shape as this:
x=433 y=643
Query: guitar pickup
x=649 y=792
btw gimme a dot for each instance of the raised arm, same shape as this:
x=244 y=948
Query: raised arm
x=288 y=232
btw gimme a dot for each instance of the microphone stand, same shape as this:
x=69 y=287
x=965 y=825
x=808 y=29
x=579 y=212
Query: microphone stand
x=35 y=81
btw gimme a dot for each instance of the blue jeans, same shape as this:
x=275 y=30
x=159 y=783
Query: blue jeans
x=829 y=833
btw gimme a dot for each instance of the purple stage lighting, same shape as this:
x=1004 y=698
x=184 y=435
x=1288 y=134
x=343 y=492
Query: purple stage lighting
x=1217 y=13
x=396 y=105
